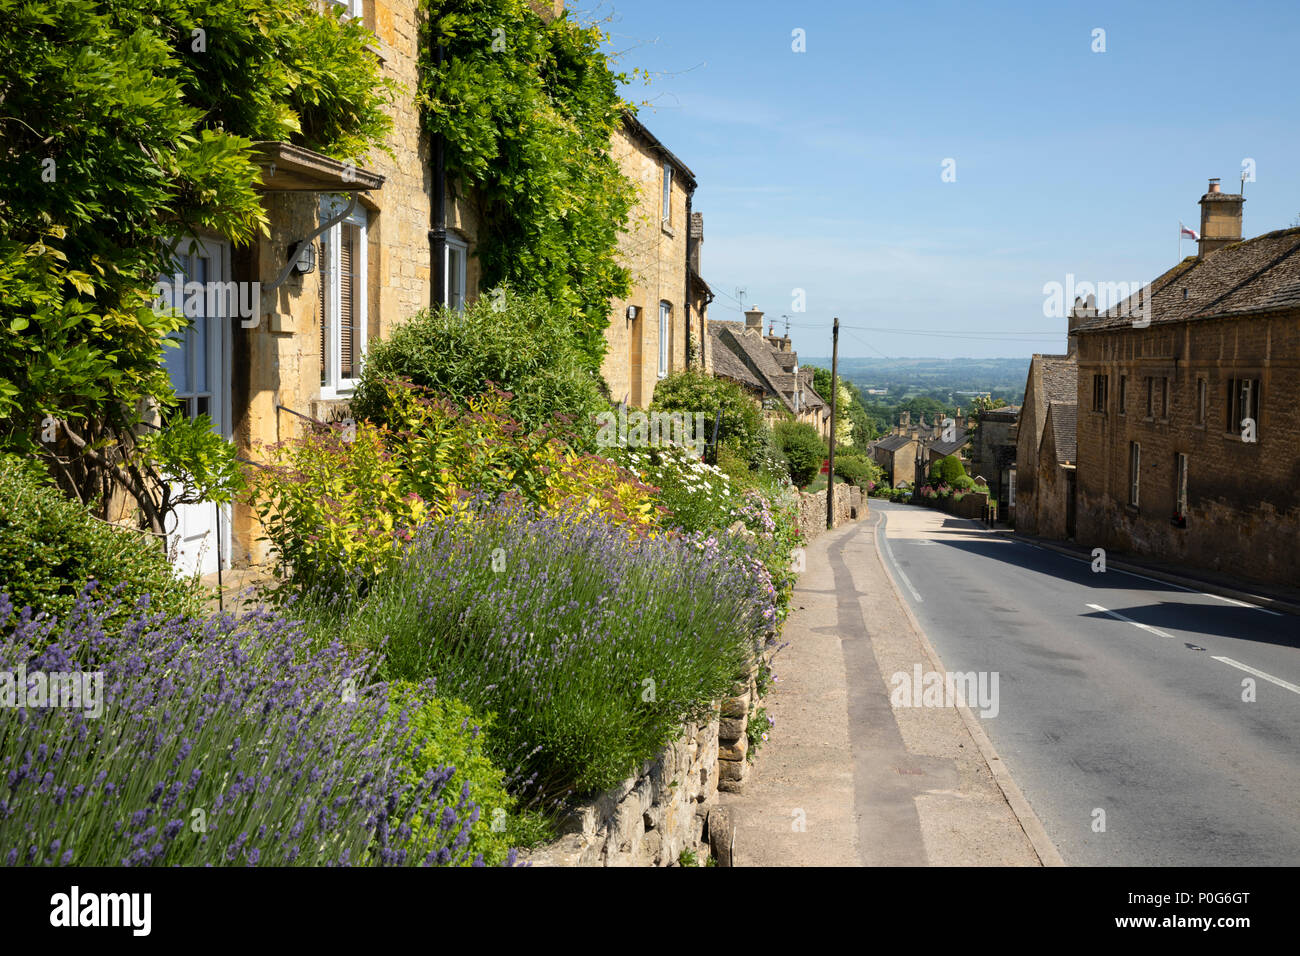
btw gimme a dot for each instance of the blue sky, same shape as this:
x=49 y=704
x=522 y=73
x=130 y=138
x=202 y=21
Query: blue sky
x=822 y=170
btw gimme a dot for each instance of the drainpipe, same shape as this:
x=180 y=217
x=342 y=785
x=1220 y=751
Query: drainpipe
x=689 y=196
x=438 y=213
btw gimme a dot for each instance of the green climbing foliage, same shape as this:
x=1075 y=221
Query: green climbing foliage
x=527 y=109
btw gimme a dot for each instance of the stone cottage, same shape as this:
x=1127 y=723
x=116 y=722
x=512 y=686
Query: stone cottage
x=1043 y=494
x=767 y=367
x=353 y=251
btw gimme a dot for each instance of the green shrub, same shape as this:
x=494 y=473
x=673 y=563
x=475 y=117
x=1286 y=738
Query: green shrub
x=734 y=465
x=742 y=423
x=338 y=504
x=804 y=450
x=856 y=468
x=519 y=344
x=441 y=733
x=50 y=546
x=950 y=469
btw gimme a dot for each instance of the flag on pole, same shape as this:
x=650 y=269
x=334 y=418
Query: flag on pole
x=1184 y=231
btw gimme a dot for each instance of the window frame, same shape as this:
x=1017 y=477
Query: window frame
x=351 y=8
x=462 y=249
x=665 y=335
x=329 y=263
x=666 y=200
x=1253 y=386
x=1100 y=392
x=1202 y=400
x=1181 y=467
x=1134 y=473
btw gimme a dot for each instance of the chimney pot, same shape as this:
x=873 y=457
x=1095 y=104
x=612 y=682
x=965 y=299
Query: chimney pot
x=1214 y=185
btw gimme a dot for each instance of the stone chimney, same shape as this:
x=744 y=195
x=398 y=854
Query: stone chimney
x=697 y=239
x=1082 y=310
x=754 y=319
x=1220 y=219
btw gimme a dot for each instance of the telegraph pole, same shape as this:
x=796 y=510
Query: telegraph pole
x=835 y=387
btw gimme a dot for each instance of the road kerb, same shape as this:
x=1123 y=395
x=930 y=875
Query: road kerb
x=1033 y=828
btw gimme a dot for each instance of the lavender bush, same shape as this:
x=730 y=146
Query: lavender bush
x=240 y=747
x=591 y=649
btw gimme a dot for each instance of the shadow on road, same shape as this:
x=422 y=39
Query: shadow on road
x=1195 y=616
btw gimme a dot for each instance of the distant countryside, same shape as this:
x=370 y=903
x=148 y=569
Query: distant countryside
x=928 y=386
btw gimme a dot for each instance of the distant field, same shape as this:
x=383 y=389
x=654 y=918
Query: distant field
x=955 y=381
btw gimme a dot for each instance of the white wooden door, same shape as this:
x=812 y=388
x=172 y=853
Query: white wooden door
x=199 y=534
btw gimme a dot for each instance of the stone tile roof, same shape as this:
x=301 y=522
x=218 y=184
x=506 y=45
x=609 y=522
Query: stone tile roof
x=946 y=448
x=892 y=442
x=1060 y=377
x=1064 y=418
x=810 y=397
x=1254 y=276
x=757 y=354
x=727 y=363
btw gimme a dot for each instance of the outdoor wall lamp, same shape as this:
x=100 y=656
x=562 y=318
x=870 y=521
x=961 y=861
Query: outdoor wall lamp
x=303 y=255
x=631 y=312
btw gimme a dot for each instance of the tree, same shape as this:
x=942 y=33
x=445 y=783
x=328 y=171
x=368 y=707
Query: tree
x=853 y=426
x=128 y=125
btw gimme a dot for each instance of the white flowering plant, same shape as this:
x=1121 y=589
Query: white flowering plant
x=700 y=496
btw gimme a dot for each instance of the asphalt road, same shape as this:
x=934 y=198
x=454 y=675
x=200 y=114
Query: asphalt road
x=1118 y=694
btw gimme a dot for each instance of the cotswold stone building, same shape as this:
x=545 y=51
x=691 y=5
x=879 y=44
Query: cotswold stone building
x=767 y=367
x=351 y=252
x=354 y=251
x=649 y=329
x=1044 y=481
x=1188 y=433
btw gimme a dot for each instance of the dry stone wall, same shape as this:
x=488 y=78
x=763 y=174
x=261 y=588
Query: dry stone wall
x=651 y=817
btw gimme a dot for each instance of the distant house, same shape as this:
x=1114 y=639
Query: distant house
x=898 y=455
x=1188 y=437
x=937 y=449
x=993 y=453
x=1043 y=496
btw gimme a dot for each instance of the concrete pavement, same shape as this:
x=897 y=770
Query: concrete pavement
x=849 y=779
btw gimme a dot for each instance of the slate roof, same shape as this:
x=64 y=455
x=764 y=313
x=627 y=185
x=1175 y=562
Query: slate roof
x=1250 y=277
x=1064 y=418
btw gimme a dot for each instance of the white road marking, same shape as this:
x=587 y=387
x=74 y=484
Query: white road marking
x=884 y=543
x=1268 y=677
x=1146 y=627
